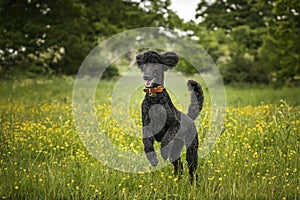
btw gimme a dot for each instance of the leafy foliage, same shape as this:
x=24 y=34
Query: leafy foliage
x=281 y=48
x=55 y=36
x=263 y=45
x=251 y=41
x=229 y=14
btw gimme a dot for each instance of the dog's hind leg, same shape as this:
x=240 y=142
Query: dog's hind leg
x=167 y=143
x=192 y=158
x=176 y=148
x=178 y=167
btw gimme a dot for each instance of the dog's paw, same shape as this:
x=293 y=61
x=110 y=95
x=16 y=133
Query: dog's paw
x=165 y=152
x=152 y=158
x=154 y=162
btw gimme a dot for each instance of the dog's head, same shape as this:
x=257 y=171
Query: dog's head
x=153 y=65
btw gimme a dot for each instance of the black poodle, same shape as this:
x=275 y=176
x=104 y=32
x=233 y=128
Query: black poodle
x=162 y=122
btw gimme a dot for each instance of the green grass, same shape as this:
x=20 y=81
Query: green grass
x=42 y=156
x=60 y=90
x=258 y=95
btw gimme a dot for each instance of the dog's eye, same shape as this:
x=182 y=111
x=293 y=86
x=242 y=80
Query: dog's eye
x=141 y=67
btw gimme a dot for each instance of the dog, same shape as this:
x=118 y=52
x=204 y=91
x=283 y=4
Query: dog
x=161 y=121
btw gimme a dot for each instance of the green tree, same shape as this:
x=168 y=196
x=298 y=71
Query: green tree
x=281 y=49
x=231 y=13
x=55 y=36
x=244 y=24
x=243 y=64
x=43 y=36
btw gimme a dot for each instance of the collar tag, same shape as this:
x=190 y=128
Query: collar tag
x=152 y=94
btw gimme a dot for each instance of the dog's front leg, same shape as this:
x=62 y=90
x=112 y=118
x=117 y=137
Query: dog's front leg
x=148 y=141
x=167 y=143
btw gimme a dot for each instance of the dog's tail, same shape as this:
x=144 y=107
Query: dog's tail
x=197 y=99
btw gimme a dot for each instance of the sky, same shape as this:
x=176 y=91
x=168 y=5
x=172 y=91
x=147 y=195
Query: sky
x=186 y=9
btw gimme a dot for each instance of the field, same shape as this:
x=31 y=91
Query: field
x=43 y=157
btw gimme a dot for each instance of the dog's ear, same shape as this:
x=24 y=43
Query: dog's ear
x=139 y=60
x=170 y=59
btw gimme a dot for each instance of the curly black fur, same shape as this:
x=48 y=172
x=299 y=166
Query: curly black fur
x=197 y=99
x=169 y=59
x=162 y=122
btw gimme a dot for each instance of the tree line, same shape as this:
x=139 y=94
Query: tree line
x=251 y=41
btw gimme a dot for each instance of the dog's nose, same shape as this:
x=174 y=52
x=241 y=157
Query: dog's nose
x=146 y=77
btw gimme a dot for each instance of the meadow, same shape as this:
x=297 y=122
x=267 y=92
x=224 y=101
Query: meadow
x=43 y=157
